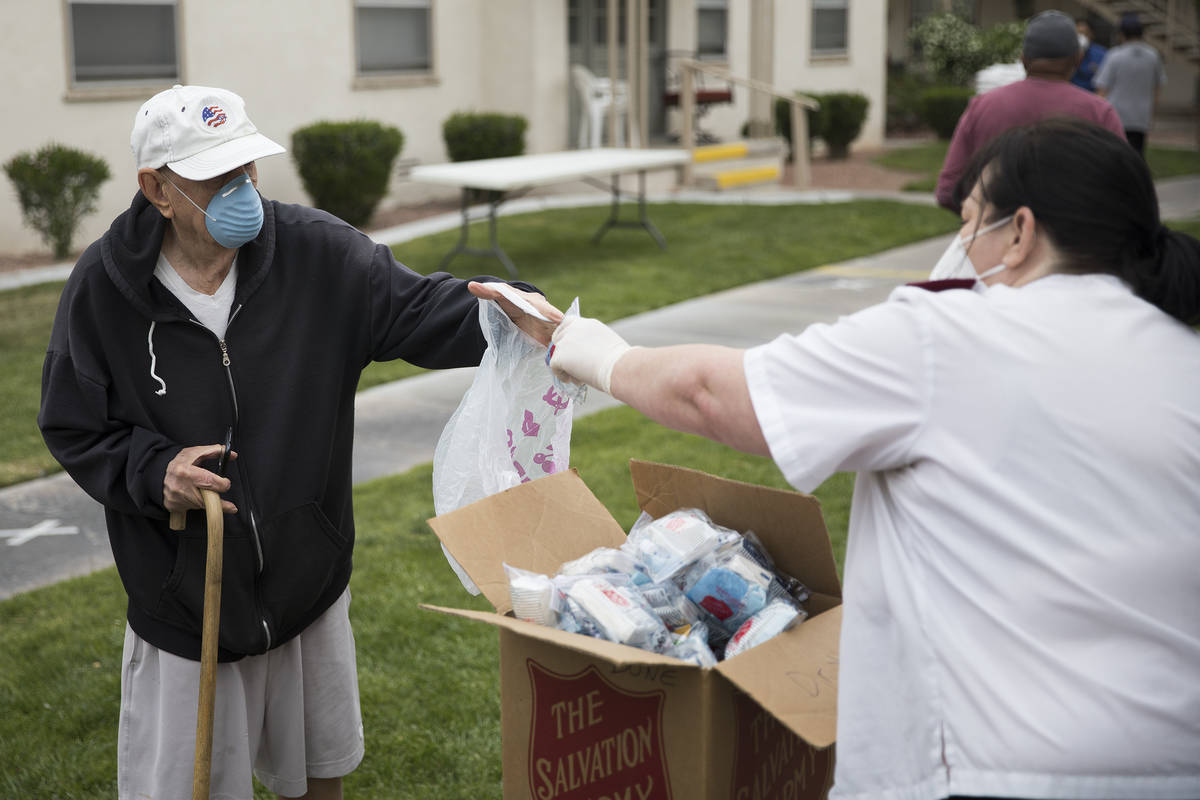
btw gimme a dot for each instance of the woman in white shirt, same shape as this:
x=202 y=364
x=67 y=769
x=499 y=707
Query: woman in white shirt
x=1022 y=589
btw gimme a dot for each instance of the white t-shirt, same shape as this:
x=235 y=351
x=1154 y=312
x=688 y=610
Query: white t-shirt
x=1022 y=581
x=210 y=310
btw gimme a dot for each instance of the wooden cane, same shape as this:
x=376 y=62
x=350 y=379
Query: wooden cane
x=205 y=706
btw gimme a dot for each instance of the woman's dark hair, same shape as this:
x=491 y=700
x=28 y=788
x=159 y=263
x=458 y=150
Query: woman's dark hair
x=1093 y=195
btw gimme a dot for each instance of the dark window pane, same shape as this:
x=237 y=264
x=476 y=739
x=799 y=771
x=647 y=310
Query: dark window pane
x=573 y=22
x=393 y=40
x=123 y=41
x=829 y=30
x=711 y=28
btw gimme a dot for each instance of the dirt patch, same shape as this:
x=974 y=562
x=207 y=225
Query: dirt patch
x=858 y=172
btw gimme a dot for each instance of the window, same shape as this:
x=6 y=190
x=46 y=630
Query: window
x=712 y=25
x=132 y=41
x=829 y=18
x=393 y=36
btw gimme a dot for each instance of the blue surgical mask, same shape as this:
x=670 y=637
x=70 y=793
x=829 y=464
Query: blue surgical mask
x=234 y=216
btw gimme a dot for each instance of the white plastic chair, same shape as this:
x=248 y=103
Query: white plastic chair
x=596 y=96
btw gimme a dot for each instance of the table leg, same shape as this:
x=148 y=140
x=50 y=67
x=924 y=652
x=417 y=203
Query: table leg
x=642 y=218
x=643 y=221
x=614 y=211
x=493 y=204
x=461 y=245
x=493 y=249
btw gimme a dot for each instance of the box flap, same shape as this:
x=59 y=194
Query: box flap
x=535 y=526
x=794 y=677
x=789 y=523
x=617 y=654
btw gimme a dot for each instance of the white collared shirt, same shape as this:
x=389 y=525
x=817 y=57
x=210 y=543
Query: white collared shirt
x=1022 y=580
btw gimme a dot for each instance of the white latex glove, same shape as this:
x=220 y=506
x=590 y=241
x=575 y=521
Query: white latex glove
x=585 y=350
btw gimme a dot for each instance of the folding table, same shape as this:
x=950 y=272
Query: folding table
x=502 y=178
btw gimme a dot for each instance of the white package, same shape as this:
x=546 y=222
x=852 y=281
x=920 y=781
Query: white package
x=774 y=619
x=618 y=613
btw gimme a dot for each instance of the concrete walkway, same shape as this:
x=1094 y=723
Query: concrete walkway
x=59 y=531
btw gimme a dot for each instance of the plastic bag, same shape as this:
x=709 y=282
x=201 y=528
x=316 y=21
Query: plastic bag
x=512 y=426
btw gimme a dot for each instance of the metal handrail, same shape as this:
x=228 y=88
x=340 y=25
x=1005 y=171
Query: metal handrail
x=801 y=171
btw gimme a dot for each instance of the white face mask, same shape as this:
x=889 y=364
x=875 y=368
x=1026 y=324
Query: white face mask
x=956 y=264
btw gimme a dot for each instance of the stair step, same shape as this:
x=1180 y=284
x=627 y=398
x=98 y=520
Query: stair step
x=719 y=152
x=748 y=148
x=732 y=178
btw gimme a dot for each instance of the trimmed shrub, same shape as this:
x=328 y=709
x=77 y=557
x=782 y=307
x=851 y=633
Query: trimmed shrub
x=56 y=186
x=783 y=120
x=838 y=121
x=346 y=166
x=843 y=115
x=941 y=106
x=470 y=136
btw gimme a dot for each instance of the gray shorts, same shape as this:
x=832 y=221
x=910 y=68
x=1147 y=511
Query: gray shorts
x=288 y=714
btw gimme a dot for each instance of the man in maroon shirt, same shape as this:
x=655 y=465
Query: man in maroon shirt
x=1050 y=52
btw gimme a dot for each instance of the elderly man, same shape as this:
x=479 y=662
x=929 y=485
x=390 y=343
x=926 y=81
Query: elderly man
x=207 y=308
x=1050 y=53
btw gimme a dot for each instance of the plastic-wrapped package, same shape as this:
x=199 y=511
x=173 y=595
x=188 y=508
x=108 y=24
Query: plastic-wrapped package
x=617 y=611
x=533 y=596
x=785 y=584
x=669 y=544
x=775 y=618
x=604 y=560
x=573 y=619
x=730 y=586
x=670 y=604
x=680 y=585
x=693 y=647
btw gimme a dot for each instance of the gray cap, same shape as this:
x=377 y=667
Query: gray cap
x=1050 y=34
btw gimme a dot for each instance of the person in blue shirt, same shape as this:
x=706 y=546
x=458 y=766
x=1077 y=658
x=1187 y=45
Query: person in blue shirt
x=1093 y=54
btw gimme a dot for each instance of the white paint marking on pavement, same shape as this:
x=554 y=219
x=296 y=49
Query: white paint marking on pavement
x=47 y=527
x=853 y=284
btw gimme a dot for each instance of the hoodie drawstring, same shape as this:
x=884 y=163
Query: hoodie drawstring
x=154 y=361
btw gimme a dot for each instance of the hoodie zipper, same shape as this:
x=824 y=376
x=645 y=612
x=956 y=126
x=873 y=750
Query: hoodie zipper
x=256 y=537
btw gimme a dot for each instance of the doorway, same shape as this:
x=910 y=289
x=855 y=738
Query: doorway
x=587 y=44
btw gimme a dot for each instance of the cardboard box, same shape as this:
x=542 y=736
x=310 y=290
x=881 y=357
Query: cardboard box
x=586 y=719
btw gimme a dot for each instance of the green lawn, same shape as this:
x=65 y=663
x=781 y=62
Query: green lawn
x=710 y=248
x=60 y=646
x=25 y=318
x=926 y=160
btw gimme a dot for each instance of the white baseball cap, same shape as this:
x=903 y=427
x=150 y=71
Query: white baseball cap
x=198 y=131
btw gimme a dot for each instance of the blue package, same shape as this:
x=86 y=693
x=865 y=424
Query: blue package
x=727 y=596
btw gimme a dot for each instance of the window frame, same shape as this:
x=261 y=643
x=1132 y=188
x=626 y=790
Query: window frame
x=118 y=88
x=387 y=79
x=828 y=54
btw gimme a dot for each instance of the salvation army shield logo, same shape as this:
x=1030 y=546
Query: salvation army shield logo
x=590 y=739
x=770 y=762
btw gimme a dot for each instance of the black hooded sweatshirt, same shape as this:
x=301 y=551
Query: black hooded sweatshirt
x=130 y=379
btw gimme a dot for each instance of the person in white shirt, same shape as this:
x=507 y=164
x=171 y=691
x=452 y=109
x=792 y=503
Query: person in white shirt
x=1022 y=599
